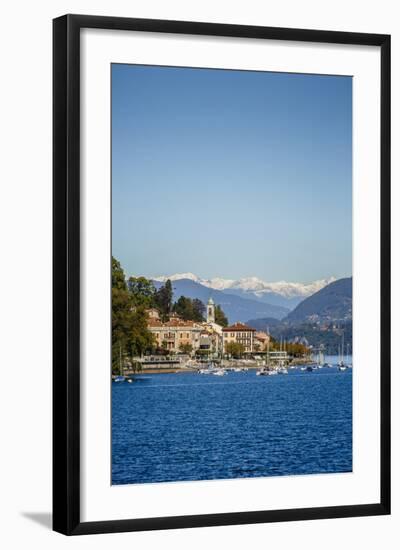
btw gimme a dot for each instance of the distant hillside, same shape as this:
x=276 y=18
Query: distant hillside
x=333 y=302
x=272 y=298
x=263 y=324
x=329 y=335
x=281 y=293
x=235 y=307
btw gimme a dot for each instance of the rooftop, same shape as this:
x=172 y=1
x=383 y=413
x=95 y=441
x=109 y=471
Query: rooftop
x=172 y=323
x=238 y=327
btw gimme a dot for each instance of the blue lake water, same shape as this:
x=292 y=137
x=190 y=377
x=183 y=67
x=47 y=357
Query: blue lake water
x=175 y=427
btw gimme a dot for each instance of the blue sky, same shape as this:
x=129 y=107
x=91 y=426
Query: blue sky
x=231 y=173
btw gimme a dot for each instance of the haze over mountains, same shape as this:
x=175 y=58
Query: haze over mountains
x=281 y=293
x=236 y=308
x=252 y=298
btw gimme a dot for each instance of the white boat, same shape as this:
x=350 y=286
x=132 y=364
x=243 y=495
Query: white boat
x=120 y=377
x=262 y=372
x=219 y=372
x=282 y=370
x=342 y=365
x=210 y=369
x=266 y=372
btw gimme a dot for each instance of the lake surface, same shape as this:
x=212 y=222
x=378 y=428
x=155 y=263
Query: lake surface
x=186 y=426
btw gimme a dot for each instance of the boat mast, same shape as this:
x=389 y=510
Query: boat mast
x=343 y=346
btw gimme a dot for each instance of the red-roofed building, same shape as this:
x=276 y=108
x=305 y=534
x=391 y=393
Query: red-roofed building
x=240 y=334
x=175 y=333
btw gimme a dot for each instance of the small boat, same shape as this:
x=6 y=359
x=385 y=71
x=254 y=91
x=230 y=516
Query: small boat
x=282 y=370
x=220 y=372
x=309 y=368
x=266 y=372
x=262 y=372
x=120 y=377
x=210 y=369
x=342 y=366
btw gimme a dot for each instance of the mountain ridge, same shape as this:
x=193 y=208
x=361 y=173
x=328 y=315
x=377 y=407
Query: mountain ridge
x=253 y=284
x=236 y=308
x=333 y=302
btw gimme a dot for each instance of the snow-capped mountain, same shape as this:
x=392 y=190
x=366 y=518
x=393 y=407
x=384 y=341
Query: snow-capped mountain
x=216 y=283
x=255 y=286
x=237 y=307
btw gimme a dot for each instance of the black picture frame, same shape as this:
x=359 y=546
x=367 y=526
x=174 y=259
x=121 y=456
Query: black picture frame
x=66 y=273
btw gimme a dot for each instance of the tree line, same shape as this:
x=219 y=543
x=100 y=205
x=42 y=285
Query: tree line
x=236 y=349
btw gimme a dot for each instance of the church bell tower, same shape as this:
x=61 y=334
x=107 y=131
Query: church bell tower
x=210 y=311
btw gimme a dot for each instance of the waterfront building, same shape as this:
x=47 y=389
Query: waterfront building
x=261 y=340
x=175 y=333
x=278 y=357
x=211 y=338
x=240 y=334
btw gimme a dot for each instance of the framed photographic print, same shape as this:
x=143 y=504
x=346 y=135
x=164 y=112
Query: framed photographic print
x=221 y=274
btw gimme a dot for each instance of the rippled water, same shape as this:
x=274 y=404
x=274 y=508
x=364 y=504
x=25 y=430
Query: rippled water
x=171 y=427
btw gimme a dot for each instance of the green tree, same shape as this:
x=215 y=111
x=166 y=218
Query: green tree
x=234 y=349
x=163 y=299
x=186 y=348
x=130 y=335
x=184 y=308
x=189 y=310
x=198 y=310
x=202 y=352
x=296 y=350
x=121 y=315
x=142 y=290
x=117 y=275
x=220 y=317
x=141 y=338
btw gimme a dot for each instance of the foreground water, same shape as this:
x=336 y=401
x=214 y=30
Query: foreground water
x=174 y=427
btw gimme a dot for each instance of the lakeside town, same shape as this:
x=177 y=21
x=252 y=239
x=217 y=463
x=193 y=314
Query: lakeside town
x=154 y=334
